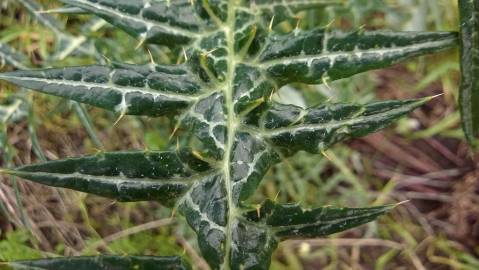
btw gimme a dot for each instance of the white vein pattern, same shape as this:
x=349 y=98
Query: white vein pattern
x=148 y=23
x=331 y=56
x=334 y=124
x=203 y=217
x=117 y=180
x=256 y=84
x=211 y=127
x=88 y=85
x=251 y=166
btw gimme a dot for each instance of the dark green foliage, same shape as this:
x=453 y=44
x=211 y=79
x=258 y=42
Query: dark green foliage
x=100 y=263
x=469 y=93
x=233 y=61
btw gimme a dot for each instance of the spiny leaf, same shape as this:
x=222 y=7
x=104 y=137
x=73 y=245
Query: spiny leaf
x=137 y=90
x=100 y=263
x=469 y=91
x=292 y=221
x=124 y=176
x=292 y=128
x=311 y=56
x=160 y=22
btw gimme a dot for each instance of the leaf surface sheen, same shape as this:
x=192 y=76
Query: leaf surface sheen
x=234 y=63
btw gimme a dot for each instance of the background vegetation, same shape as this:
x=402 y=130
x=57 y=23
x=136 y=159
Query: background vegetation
x=423 y=159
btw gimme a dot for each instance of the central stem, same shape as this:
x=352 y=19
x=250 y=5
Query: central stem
x=231 y=128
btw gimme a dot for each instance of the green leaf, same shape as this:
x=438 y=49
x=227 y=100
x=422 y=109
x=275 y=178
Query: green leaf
x=292 y=221
x=292 y=128
x=160 y=22
x=233 y=62
x=129 y=89
x=100 y=263
x=317 y=55
x=123 y=176
x=469 y=91
x=9 y=56
x=276 y=11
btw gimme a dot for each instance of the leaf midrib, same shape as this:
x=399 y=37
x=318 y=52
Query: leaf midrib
x=231 y=128
x=358 y=53
x=89 y=85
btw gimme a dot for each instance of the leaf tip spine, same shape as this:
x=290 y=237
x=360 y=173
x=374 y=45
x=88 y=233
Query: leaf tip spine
x=400 y=203
x=435 y=96
x=140 y=43
x=123 y=113
x=429 y=98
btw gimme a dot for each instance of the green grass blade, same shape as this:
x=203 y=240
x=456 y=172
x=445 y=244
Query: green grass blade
x=469 y=92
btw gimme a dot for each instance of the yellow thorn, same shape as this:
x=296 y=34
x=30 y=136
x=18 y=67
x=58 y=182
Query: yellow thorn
x=298 y=23
x=146 y=148
x=273 y=91
x=435 y=96
x=401 y=203
x=152 y=60
x=174 y=131
x=198 y=155
x=97 y=150
x=119 y=118
x=328 y=26
x=325 y=82
x=276 y=197
x=185 y=55
x=270 y=28
x=326 y=155
x=173 y=213
x=5 y=171
x=108 y=60
x=210 y=51
x=142 y=40
x=177 y=144
x=258 y=210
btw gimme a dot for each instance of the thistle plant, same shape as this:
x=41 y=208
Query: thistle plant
x=229 y=132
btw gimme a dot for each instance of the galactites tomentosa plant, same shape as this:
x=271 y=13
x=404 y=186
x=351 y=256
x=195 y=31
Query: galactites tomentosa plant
x=233 y=61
